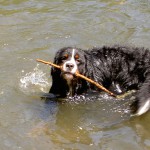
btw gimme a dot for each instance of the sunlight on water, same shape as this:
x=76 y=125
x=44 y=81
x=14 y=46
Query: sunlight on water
x=34 y=81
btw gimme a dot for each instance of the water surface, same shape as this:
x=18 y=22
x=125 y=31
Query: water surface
x=31 y=29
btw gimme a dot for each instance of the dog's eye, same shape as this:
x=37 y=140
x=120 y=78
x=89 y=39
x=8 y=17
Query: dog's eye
x=76 y=57
x=64 y=57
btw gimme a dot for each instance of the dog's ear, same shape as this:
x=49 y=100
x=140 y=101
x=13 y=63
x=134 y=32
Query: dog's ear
x=58 y=84
x=55 y=72
x=56 y=61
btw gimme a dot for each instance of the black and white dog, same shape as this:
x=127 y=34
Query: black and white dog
x=117 y=68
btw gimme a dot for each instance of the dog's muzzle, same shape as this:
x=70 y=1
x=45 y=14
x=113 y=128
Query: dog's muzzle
x=69 y=69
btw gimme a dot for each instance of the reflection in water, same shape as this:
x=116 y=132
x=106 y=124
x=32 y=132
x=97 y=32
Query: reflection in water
x=86 y=120
x=96 y=123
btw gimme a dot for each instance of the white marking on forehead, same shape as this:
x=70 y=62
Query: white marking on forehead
x=72 y=60
x=73 y=53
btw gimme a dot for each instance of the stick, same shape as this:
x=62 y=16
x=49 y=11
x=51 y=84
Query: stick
x=48 y=63
x=81 y=76
x=95 y=83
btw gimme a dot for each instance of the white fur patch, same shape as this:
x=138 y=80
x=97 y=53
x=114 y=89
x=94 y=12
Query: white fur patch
x=118 y=88
x=72 y=61
x=144 y=108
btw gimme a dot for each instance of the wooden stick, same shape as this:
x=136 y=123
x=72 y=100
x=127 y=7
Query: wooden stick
x=48 y=63
x=81 y=76
x=95 y=83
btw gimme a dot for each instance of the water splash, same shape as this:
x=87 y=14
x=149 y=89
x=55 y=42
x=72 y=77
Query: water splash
x=103 y=102
x=34 y=81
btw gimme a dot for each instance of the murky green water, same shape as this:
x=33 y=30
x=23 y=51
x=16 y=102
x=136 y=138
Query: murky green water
x=31 y=29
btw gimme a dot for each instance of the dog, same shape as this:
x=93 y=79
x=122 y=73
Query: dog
x=117 y=68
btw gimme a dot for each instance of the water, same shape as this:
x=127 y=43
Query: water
x=31 y=29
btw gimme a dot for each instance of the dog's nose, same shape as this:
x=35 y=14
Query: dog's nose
x=69 y=66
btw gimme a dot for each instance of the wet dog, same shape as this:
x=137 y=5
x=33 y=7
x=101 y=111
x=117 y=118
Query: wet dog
x=117 y=68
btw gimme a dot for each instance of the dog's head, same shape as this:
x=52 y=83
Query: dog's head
x=71 y=60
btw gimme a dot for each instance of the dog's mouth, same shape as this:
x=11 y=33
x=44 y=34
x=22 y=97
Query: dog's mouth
x=68 y=76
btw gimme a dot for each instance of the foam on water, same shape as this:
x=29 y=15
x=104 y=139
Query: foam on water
x=106 y=102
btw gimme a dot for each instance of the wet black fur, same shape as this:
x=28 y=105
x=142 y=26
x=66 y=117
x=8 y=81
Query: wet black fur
x=127 y=67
